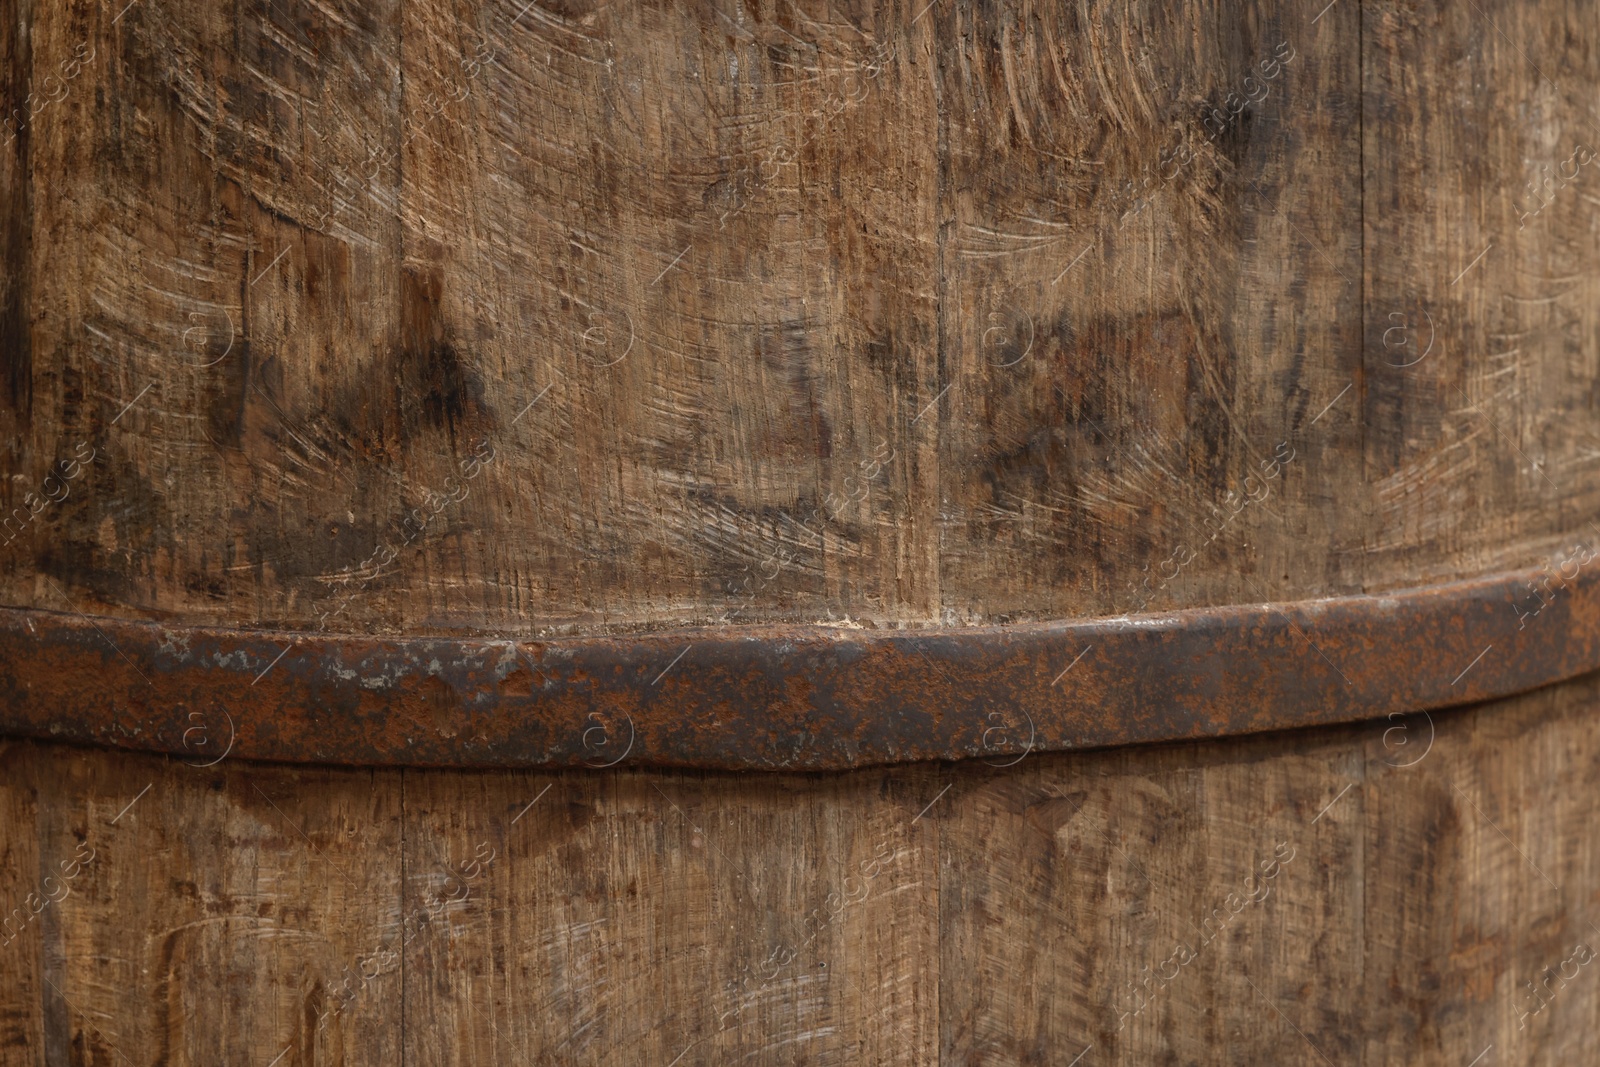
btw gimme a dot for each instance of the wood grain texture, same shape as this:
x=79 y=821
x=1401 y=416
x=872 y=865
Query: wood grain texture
x=22 y=1023
x=1481 y=279
x=481 y=317
x=456 y=316
x=1405 y=891
x=217 y=915
x=1149 y=285
x=648 y=918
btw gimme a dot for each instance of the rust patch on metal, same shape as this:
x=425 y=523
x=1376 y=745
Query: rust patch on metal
x=784 y=698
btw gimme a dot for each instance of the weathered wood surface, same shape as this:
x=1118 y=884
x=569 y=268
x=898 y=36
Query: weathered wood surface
x=1481 y=291
x=437 y=317
x=896 y=314
x=1419 y=885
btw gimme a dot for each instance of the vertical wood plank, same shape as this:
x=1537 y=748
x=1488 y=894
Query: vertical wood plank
x=16 y=229
x=1483 y=880
x=672 y=917
x=743 y=285
x=1162 y=903
x=1482 y=283
x=1151 y=270
x=224 y=913
x=22 y=935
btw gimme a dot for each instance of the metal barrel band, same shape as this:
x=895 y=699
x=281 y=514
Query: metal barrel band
x=786 y=697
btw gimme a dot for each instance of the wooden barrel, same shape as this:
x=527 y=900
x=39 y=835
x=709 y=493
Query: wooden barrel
x=574 y=532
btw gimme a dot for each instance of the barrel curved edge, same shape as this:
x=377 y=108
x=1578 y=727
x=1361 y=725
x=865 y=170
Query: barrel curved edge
x=788 y=698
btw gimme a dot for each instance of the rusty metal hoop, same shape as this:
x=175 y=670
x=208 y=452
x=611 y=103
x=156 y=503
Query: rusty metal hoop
x=786 y=698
